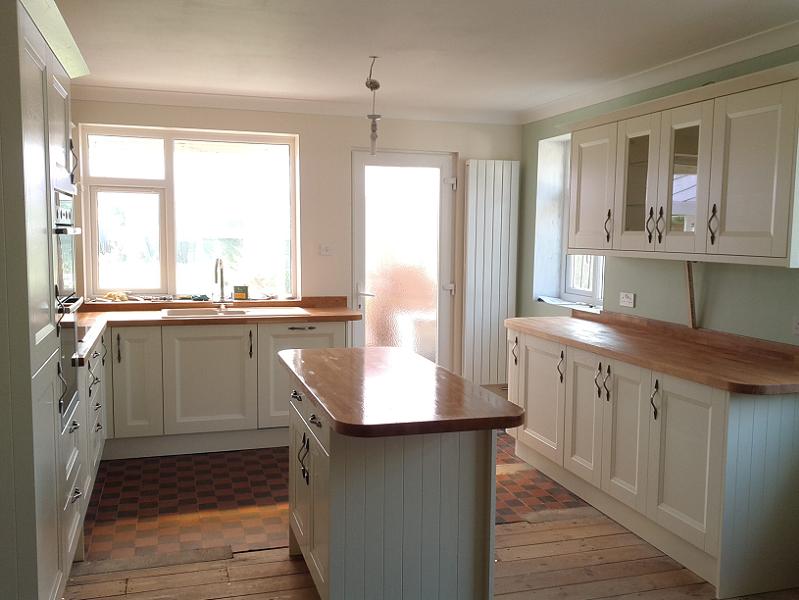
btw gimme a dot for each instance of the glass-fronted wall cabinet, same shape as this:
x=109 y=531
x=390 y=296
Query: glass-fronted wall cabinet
x=636 y=183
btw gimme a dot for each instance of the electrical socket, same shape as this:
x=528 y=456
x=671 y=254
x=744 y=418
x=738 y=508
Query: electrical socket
x=627 y=299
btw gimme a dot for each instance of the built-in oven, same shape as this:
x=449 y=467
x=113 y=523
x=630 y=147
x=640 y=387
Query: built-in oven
x=67 y=302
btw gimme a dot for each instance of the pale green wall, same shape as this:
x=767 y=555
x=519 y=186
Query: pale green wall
x=755 y=301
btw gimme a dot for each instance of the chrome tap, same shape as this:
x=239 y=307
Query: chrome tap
x=219 y=277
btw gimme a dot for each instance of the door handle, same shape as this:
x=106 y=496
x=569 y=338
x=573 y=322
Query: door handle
x=119 y=350
x=514 y=352
x=605 y=384
x=295 y=395
x=652 y=399
x=649 y=219
x=596 y=381
x=605 y=227
x=302 y=328
x=657 y=225
x=250 y=343
x=714 y=214
x=560 y=363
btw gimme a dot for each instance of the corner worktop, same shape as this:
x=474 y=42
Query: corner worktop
x=724 y=361
x=375 y=392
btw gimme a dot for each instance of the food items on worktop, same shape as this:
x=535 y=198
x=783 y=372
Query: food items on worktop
x=241 y=292
x=116 y=296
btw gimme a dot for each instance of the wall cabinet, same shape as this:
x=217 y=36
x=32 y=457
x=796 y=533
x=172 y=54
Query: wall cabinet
x=138 y=381
x=709 y=180
x=542 y=389
x=274 y=381
x=210 y=378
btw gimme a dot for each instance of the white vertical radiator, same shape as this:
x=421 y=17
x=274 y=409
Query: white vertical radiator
x=492 y=218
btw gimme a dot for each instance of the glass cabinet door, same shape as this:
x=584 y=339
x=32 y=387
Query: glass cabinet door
x=636 y=183
x=684 y=181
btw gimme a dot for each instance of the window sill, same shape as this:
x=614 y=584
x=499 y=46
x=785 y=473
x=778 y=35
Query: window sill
x=590 y=308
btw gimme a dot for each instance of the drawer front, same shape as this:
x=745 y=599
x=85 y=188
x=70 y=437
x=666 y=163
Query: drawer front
x=97 y=437
x=300 y=401
x=319 y=426
x=69 y=443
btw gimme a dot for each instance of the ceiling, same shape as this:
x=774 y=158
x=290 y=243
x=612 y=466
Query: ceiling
x=503 y=60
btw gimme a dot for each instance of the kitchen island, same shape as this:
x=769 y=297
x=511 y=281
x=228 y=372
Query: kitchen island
x=392 y=475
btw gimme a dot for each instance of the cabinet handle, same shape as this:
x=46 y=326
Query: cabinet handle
x=652 y=399
x=560 y=363
x=119 y=350
x=295 y=395
x=97 y=406
x=605 y=226
x=307 y=473
x=76 y=494
x=302 y=328
x=98 y=427
x=95 y=354
x=596 y=381
x=605 y=384
x=714 y=213
x=514 y=352
x=250 y=343
x=105 y=349
x=649 y=232
x=73 y=427
x=314 y=420
x=64 y=384
x=657 y=225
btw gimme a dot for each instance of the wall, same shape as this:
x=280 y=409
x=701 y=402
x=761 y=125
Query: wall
x=755 y=301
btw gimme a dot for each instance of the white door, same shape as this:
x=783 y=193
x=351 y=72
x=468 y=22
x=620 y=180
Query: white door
x=275 y=383
x=625 y=435
x=542 y=391
x=138 y=381
x=684 y=178
x=210 y=378
x=593 y=180
x=754 y=139
x=686 y=447
x=584 y=411
x=403 y=221
x=637 y=153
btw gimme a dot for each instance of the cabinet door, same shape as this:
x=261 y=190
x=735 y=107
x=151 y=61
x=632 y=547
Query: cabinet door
x=108 y=382
x=138 y=381
x=584 y=411
x=210 y=378
x=514 y=354
x=685 y=460
x=754 y=139
x=684 y=178
x=299 y=486
x=542 y=389
x=59 y=124
x=39 y=240
x=625 y=433
x=636 y=183
x=274 y=380
x=593 y=177
x=318 y=463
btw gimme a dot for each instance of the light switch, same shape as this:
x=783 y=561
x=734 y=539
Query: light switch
x=627 y=299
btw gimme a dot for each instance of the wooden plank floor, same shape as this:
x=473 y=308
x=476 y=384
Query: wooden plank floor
x=570 y=554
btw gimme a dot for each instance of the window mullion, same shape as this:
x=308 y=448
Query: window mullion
x=170 y=256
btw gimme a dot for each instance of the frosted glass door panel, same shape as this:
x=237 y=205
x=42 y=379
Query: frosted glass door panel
x=401 y=225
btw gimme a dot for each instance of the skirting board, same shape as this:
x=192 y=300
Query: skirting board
x=195 y=443
x=692 y=557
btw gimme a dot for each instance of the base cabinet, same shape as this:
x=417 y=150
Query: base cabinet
x=514 y=349
x=210 y=378
x=584 y=410
x=138 y=381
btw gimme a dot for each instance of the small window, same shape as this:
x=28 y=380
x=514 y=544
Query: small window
x=125 y=157
x=584 y=278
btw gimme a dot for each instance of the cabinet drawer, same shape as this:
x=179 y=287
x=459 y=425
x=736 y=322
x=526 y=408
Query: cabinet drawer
x=319 y=426
x=300 y=402
x=69 y=444
x=97 y=437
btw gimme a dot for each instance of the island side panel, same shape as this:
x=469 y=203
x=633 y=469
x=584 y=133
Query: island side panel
x=417 y=516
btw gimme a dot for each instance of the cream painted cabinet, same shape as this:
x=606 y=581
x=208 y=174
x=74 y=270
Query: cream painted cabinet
x=59 y=125
x=138 y=381
x=684 y=178
x=686 y=449
x=514 y=354
x=274 y=381
x=637 y=154
x=299 y=484
x=542 y=390
x=592 y=189
x=210 y=378
x=318 y=462
x=625 y=432
x=751 y=187
x=584 y=412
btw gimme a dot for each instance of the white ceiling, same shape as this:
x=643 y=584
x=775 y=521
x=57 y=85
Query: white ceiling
x=500 y=60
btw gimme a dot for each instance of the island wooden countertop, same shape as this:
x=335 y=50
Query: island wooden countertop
x=92 y=324
x=374 y=392
x=729 y=362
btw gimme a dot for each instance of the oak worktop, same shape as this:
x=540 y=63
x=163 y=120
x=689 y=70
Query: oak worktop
x=729 y=362
x=373 y=392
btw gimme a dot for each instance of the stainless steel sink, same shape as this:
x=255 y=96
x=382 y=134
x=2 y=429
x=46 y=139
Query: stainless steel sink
x=175 y=313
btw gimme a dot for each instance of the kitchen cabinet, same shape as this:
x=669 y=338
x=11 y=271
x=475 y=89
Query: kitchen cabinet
x=92 y=385
x=686 y=446
x=299 y=488
x=583 y=415
x=542 y=389
x=514 y=350
x=637 y=152
x=625 y=432
x=592 y=189
x=684 y=178
x=318 y=462
x=751 y=185
x=137 y=381
x=274 y=382
x=210 y=378
x=59 y=126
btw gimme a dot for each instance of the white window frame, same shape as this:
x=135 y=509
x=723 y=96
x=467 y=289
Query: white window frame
x=165 y=187
x=592 y=297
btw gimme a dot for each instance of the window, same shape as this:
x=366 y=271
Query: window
x=584 y=278
x=166 y=203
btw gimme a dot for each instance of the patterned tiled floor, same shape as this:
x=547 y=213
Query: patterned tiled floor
x=148 y=506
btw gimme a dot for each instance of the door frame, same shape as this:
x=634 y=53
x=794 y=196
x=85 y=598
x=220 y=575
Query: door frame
x=447 y=162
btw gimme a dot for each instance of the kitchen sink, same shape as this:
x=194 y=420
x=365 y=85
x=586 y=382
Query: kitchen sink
x=201 y=312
